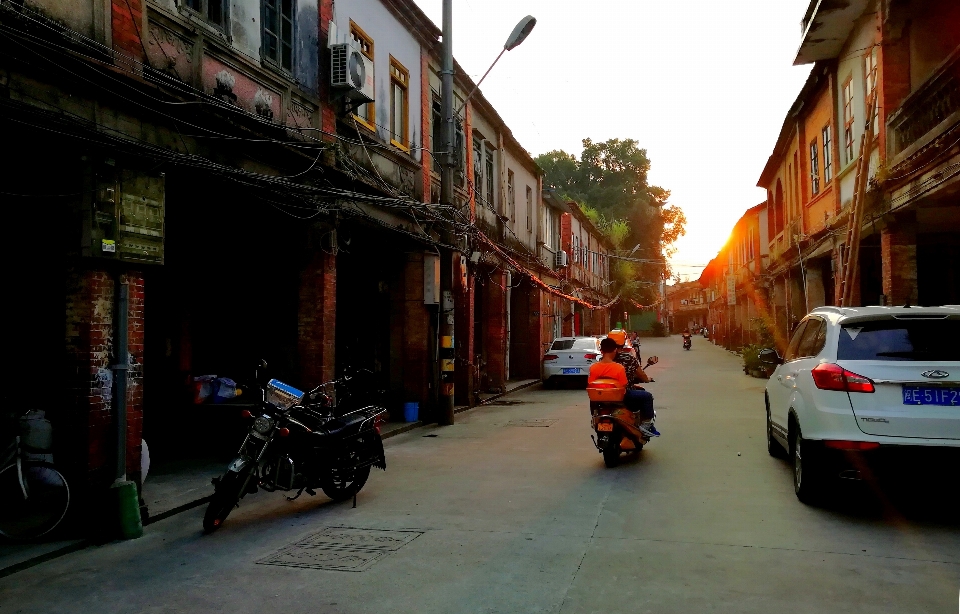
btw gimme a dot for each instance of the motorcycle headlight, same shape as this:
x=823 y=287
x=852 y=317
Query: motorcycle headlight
x=263 y=424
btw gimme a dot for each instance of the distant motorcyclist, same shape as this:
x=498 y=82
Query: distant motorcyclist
x=687 y=339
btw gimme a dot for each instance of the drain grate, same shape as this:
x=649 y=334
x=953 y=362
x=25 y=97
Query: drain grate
x=503 y=403
x=341 y=549
x=543 y=423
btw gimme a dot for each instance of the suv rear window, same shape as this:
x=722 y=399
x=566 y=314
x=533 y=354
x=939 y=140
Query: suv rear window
x=574 y=344
x=900 y=340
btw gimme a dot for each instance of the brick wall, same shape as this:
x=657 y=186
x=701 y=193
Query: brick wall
x=463 y=339
x=426 y=132
x=128 y=27
x=90 y=341
x=416 y=338
x=317 y=317
x=328 y=116
x=898 y=253
x=495 y=329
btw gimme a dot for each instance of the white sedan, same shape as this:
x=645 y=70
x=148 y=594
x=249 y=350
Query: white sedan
x=570 y=357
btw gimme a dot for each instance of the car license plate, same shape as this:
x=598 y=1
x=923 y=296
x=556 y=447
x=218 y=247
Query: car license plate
x=570 y=371
x=923 y=395
x=605 y=426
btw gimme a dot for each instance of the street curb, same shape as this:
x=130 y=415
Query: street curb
x=43 y=558
x=49 y=556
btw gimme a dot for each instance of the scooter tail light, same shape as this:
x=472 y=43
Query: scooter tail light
x=283 y=432
x=246 y=414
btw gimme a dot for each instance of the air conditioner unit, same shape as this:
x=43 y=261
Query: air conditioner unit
x=560 y=259
x=352 y=71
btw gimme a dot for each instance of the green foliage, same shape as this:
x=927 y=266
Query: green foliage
x=609 y=181
x=658 y=329
x=765 y=338
x=751 y=357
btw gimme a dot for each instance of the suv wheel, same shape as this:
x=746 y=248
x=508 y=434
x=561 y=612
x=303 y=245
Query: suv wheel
x=808 y=477
x=774 y=448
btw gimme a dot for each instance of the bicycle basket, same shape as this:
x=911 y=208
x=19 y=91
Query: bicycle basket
x=282 y=395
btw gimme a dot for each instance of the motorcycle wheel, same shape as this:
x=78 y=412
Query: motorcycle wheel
x=226 y=497
x=341 y=488
x=611 y=453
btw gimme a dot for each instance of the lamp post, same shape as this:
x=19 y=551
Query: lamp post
x=448 y=162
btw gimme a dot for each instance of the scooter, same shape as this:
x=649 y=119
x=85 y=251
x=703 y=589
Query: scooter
x=617 y=428
x=687 y=341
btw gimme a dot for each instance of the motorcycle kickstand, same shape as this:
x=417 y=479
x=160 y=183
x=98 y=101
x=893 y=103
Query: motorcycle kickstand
x=354 y=500
x=310 y=492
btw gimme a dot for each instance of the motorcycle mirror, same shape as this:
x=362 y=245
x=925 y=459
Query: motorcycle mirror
x=653 y=360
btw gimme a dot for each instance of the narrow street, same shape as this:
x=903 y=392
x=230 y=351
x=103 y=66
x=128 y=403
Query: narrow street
x=501 y=517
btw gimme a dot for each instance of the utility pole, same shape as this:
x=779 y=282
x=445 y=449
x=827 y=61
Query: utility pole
x=448 y=164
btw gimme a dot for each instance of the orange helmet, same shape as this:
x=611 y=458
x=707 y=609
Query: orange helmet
x=619 y=336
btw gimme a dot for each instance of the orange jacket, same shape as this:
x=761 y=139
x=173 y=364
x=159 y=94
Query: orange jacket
x=611 y=370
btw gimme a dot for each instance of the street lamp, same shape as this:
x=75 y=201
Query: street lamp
x=520 y=33
x=446 y=353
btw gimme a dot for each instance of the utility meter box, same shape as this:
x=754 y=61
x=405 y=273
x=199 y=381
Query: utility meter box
x=431 y=279
x=126 y=216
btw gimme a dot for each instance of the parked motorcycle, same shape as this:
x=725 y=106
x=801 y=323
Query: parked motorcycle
x=301 y=441
x=617 y=428
x=687 y=341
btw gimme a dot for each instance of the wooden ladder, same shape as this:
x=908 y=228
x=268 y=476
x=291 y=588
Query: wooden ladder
x=850 y=251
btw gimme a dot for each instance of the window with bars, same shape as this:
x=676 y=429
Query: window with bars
x=814 y=167
x=847 y=97
x=278 y=32
x=870 y=73
x=367 y=113
x=489 y=177
x=399 y=103
x=478 y=169
x=511 y=196
x=212 y=11
x=436 y=141
x=827 y=154
x=529 y=209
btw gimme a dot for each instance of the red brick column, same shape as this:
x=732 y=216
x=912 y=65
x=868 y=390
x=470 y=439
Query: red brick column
x=426 y=133
x=86 y=428
x=898 y=253
x=317 y=319
x=328 y=116
x=417 y=342
x=495 y=328
x=463 y=339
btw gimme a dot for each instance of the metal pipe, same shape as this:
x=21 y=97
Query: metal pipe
x=446 y=356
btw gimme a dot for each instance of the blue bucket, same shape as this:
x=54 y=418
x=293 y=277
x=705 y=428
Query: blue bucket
x=411 y=412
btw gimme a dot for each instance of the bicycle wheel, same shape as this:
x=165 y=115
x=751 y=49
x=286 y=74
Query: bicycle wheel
x=35 y=500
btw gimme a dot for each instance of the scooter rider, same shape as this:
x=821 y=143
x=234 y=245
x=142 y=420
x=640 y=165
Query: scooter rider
x=636 y=399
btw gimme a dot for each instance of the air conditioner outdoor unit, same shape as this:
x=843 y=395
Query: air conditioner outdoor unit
x=353 y=71
x=560 y=259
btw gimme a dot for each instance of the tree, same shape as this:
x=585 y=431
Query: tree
x=609 y=180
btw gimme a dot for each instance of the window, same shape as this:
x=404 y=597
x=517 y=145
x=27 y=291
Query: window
x=213 y=11
x=827 y=155
x=926 y=340
x=529 y=209
x=791 y=353
x=278 y=32
x=488 y=177
x=814 y=337
x=399 y=101
x=847 y=95
x=436 y=141
x=367 y=113
x=478 y=170
x=814 y=167
x=511 y=197
x=870 y=72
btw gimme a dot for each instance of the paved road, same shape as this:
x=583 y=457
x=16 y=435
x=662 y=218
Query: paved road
x=509 y=518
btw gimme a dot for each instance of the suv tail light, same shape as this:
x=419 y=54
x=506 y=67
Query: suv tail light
x=550 y=357
x=828 y=376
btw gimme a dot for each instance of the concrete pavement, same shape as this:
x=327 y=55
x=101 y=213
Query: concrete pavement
x=491 y=515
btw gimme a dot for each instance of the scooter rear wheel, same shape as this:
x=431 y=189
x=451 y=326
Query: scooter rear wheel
x=611 y=453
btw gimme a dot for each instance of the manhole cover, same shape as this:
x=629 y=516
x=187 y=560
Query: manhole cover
x=536 y=423
x=341 y=549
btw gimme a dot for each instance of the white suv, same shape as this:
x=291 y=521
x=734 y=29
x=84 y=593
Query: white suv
x=857 y=383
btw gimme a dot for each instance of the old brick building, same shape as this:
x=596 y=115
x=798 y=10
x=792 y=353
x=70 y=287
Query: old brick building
x=202 y=156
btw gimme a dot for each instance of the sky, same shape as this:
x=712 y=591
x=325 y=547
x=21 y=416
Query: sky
x=702 y=85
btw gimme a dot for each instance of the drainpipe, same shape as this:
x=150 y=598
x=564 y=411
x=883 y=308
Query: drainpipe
x=124 y=495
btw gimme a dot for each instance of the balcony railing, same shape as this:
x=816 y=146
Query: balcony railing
x=934 y=101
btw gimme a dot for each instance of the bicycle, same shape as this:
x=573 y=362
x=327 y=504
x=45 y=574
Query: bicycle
x=35 y=495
